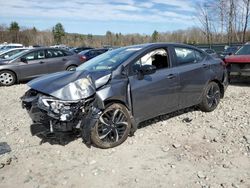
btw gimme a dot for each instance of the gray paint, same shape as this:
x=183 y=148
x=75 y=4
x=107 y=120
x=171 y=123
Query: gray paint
x=164 y=91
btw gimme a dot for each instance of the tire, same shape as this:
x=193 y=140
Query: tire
x=7 y=78
x=71 y=67
x=210 y=98
x=112 y=127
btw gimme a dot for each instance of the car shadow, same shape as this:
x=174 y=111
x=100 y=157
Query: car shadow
x=64 y=138
x=169 y=116
x=58 y=139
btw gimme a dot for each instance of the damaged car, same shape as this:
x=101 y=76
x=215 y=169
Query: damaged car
x=105 y=99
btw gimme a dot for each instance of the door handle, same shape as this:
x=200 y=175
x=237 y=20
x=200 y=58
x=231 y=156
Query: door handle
x=64 y=59
x=171 y=76
x=41 y=62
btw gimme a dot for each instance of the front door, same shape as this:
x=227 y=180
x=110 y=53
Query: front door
x=34 y=66
x=157 y=93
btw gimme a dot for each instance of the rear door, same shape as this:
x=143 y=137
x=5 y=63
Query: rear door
x=193 y=67
x=35 y=65
x=156 y=93
x=56 y=60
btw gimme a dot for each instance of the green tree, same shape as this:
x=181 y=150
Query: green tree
x=14 y=31
x=58 y=33
x=155 y=36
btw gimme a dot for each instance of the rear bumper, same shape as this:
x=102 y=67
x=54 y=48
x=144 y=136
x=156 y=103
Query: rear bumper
x=239 y=69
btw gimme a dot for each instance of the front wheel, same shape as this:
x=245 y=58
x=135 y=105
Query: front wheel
x=210 y=98
x=112 y=128
x=7 y=78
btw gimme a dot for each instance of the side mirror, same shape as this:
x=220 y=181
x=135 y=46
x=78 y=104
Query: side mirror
x=146 y=70
x=230 y=53
x=6 y=56
x=24 y=60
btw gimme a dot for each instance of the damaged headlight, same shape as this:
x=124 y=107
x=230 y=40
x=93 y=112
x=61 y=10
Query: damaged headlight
x=58 y=109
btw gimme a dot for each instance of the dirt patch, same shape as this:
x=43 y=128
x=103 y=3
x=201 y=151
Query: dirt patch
x=183 y=149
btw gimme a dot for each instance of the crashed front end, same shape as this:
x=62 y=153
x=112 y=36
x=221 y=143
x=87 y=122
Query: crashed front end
x=58 y=117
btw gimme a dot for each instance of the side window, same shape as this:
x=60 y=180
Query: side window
x=92 y=53
x=67 y=53
x=199 y=56
x=54 y=53
x=158 y=58
x=35 y=55
x=188 y=56
x=30 y=56
x=40 y=54
x=185 y=56
x=49 y=53
x=58 y=53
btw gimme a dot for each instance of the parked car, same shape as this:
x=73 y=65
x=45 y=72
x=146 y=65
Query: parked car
x=210 y=52
x=239 y=63
x=36 y=62
x=8 y=53
x=229 y=51
x=80 y=49
x=10 y=46
x=108 y=96
x=91 y=53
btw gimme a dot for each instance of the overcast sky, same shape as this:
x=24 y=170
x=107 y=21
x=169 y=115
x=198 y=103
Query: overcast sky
x=98 y=16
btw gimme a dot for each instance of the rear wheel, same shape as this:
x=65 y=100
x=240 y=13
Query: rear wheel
x=210 y=98
x=112 y=128
x=71 y=67
x=7 y=78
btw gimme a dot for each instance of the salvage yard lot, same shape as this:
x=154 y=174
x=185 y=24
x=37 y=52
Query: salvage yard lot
x=184 y=149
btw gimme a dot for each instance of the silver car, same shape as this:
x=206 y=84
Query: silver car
x=33 y=63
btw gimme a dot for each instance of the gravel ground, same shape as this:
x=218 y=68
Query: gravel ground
x=184 y=149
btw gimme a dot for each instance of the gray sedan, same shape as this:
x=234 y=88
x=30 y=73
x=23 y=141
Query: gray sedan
x=108 y=96
x=32 y=63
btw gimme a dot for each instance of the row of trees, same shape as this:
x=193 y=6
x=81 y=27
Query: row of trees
x=221 y=21
x=224 y=20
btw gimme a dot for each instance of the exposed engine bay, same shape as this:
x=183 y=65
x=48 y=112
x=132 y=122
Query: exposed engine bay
x=63 y=110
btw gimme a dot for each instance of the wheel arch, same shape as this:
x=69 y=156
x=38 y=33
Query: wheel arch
x=75 y=65
x=222 y=90
x=133 y=123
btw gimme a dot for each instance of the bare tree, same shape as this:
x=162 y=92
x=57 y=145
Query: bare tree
x=205 y=20
x=231 y=16
x=247 y=13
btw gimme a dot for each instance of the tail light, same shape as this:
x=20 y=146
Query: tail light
x=83 y=58
x=223 y=63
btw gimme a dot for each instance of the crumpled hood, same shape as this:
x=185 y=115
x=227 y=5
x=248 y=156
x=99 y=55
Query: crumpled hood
x=70 y=85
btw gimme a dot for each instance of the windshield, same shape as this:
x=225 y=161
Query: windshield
x=244 y=50
x=17 y=55
x=109 y=60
